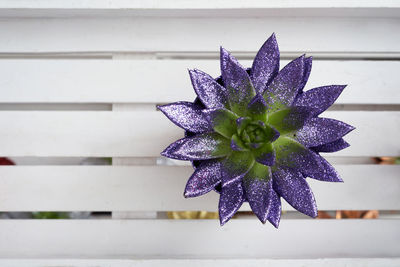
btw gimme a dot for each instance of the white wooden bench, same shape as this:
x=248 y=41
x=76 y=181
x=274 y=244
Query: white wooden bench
x=81 y=79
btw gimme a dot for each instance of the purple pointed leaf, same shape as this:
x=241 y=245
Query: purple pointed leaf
x=334 y=146
x=237 y=82
x=267 y=158
x=319 y=131
x=284 y=87
x=274 y=212
x=292 y=186
x=319 y=98
x=274 y=133
x=204 y=179
x=211 y=94
x=257 y=105
x=170 y=150
x=199 y=147
x=290 y=119
x=292 y=154
x=230 y=200
x=306 y=74
x=326 y=173
x=197 y=104
x=235 y=166
x=265 y=154
x=257 y=185
x=187 y=116
x=265 y=64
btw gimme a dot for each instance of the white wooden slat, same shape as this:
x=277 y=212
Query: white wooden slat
x=331 y=262
x=323 y=34
x=107 y=81
x=146 y=134
x=198 y=239
x=190 y=4
x=160 y=188
x=220 y=8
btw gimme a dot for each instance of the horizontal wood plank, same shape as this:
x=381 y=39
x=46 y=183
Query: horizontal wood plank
x=198 y=239
x=190 y=4
x=327 y=262
x=219 y=8
x=160 y=188
x=303 y=34
x=146 y=134
x=160 y=81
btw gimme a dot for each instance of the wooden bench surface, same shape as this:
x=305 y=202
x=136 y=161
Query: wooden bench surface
x=82 y=80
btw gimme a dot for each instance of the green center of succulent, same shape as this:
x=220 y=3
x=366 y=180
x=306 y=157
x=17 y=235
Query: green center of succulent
x=256 y=133
x=253 y=134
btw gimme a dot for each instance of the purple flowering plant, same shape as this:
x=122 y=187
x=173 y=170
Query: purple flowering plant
x=254 y=135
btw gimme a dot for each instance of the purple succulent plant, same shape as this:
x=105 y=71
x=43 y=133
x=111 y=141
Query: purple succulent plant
x=254 y=135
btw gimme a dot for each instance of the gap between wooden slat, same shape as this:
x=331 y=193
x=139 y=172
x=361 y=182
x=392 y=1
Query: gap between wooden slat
x=327 y=262
x=161 y=215
x=138 y=107
x=159 y=161
x=56 y=106
x=363 y=107
x=284 y=55
x=196 y=55
x=167 y=6
x=349 y=107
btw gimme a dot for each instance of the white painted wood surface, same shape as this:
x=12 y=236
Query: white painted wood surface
x=198 y=238
x=188 y=5
x=160 y=188
x=77 y=55
x=327 y=262
x=146 y=134
x=300 y=34
x=132 y=81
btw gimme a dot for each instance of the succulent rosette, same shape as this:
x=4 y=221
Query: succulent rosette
x=254 y=135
